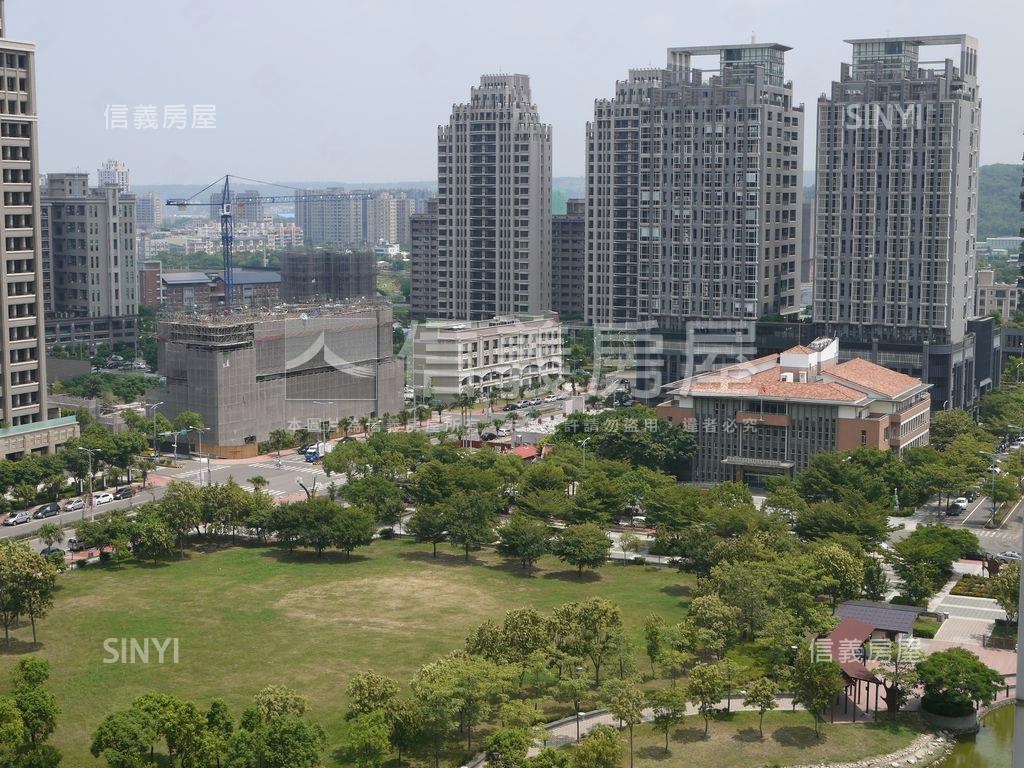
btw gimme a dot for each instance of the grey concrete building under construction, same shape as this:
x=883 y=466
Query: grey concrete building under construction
x=247 y=374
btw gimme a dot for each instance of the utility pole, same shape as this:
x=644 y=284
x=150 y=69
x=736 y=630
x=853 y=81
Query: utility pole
x=90 y=452
x=154 y=406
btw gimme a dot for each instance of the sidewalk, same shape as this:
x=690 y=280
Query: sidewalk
x=562 y=732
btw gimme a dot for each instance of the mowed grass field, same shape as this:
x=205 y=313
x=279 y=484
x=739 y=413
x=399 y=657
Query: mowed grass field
x=246 y=618
x=734 y=741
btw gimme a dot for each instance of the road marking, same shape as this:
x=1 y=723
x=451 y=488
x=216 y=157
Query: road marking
x=979 y=505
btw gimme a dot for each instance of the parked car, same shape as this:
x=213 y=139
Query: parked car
x=124 y=493
x=509 y=407
x=74 y=545
x=17 y=518
x=972 y=495
x=103 y=498
x=959 y=505
x=50 y=509
x=1009 y=556
x=47 y=551
x=74 y=505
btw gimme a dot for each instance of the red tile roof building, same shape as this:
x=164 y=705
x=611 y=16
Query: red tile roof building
x=769 y=416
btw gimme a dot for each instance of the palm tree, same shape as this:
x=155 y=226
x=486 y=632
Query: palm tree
x=258 y=482
x=403 y=418
x=422 y=413
x=364 y=423
x=345 y=425
x=51 y=533
x=145 y=465
x=384 y=421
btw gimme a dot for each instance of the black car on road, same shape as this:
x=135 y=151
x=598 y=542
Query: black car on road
x=124 y=493
x=50 y=509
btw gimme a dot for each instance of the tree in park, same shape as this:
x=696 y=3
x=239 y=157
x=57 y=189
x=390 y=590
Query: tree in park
x=181 y=507
x=654 y=638
x=219 y=726
x=524 y=539
x=429 y=524
x=12 y=730
x=713 y=624
x=600 y=748
x=273 y=733
x=122 y=739
x=38 y=707
x=585 y=545
x=407 y=728
x=896 y=668
x=956 y=681
x=842 y=573
x=1004 y=588
x=589 y=628
x=876 y=583
x=629 y=542
x=669 y=706
x=353 y=527
x=816 y=684
x=599 y=499
x=438 y=708
x=572 y=690
x=471 y=519
x=705 y=689
x=317 y=519
x=507 y=748
x=377 y=494
x=625 y=701
x=369 y=740
x=27 y=584
x=761 y=695
x=369 y=692
x=544 y=503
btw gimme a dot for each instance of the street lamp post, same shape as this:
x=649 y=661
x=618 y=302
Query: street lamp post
x=154 y=406
x=89 y=451
x=583 y=445
x=200 y=431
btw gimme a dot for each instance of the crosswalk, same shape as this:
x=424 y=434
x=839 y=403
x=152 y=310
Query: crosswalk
x=195 y=474
x=309 y=469
x=271 y=491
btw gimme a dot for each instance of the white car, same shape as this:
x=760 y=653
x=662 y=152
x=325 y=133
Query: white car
x=103 y=498
x=1009 y=556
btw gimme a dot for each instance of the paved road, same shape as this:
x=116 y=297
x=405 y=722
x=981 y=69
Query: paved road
x=283 y=476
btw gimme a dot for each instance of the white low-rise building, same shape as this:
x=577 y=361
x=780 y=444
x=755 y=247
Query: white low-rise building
x=452 y=356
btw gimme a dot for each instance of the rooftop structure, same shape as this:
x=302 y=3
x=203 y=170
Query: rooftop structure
x=772 y=414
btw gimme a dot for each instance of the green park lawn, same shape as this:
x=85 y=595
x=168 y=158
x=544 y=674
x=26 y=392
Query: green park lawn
x=246 y=618
x=734 y=741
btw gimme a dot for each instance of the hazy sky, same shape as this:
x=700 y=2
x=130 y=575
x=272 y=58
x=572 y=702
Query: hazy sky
x=353 y=90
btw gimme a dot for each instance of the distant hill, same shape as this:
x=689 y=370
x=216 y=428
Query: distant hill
x=564 y=187
x=999 y=200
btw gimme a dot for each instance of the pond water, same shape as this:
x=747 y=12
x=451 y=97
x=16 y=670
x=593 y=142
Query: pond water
x=990 y=747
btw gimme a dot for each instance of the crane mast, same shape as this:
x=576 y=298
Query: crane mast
x=227 y=226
